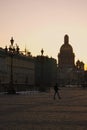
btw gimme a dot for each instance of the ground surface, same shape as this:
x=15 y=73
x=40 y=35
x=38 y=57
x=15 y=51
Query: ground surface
x=38 y=111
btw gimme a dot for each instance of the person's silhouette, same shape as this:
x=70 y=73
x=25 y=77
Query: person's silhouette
x=56 y=92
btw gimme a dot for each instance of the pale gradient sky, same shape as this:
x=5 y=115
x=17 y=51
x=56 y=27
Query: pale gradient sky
x=39 y=24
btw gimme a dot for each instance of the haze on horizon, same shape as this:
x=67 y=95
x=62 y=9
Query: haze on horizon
x=37 y=24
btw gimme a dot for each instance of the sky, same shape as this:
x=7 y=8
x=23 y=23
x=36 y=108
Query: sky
x=37 y=24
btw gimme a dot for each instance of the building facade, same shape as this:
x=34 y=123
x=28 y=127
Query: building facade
x=16 y=67
x=23 y=70
x=45 y=71
x=3 y=67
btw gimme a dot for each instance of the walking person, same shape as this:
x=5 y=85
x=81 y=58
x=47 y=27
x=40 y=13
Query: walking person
x=56 y=91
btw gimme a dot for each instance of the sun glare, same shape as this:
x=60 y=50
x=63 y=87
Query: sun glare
x=85 y=67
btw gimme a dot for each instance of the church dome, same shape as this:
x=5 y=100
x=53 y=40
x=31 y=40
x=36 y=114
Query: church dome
x=66 y=47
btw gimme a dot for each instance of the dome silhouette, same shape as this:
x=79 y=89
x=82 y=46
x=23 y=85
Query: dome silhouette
x=66 y=47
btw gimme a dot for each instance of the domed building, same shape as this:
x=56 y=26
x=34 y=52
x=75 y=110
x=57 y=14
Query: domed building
x=66 y=63
x=66 y=57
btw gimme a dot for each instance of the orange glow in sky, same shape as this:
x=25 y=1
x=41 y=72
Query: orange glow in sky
x=39 y=24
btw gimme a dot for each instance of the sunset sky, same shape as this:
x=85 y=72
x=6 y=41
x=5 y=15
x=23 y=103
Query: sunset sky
x=37 y=24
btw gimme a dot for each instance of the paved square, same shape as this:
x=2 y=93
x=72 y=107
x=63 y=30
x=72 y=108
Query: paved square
x=38 y=111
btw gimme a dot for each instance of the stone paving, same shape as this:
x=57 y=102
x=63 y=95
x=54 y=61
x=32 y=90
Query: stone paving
x=38 y=111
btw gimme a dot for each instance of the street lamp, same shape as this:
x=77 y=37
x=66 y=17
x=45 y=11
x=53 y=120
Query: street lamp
x=11 y=51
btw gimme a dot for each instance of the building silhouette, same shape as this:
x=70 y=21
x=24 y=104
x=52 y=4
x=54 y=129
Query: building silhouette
x=24 y=71
x=41 y=72
x=66 y=57
x=68 y=72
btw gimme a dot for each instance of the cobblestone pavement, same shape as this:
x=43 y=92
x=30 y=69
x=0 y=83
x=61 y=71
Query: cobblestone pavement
x=38 y=111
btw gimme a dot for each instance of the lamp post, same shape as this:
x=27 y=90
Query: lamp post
x=11 y=51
